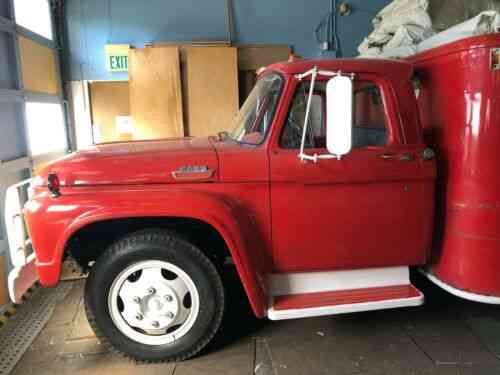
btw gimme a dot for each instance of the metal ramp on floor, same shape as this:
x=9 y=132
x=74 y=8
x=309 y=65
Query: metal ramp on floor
x=23 y=327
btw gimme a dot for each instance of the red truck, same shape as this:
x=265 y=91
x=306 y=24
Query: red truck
x=339 y=175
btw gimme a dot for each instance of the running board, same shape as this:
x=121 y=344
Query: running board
x=344 y=301
x=301 y=295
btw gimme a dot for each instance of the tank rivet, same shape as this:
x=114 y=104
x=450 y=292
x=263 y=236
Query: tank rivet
x=155 y=324
x=170 y=315
x=168 y=298
x=137 y=299
x=151 y=290
x=139 y=317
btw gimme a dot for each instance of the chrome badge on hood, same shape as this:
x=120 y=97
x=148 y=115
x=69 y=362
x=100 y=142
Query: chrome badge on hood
x=192 y=173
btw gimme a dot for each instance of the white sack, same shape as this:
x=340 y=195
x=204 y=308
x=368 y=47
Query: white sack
x=483 y=23
x=398 y=28
x=403 y=12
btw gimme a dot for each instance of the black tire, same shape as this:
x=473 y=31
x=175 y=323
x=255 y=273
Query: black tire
x=155 y=245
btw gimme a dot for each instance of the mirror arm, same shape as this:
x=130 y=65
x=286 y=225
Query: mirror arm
x=315 y=158
x=308 y=109
x=313 y=73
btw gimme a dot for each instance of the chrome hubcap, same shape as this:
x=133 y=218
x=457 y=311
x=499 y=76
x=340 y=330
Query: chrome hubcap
x=153 y=302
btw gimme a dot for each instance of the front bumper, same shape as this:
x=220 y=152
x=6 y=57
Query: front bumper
x=22 y=255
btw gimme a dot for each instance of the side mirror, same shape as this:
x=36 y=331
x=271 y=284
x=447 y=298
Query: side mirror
x=339 y=110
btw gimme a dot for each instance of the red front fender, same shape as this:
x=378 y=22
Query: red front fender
x=52 y=222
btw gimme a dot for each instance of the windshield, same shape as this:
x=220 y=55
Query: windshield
x=255 y=116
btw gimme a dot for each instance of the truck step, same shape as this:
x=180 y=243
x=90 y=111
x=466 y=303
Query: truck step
x=344 y=301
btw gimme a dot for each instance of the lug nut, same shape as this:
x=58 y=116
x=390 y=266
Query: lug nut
x=137 y=299
x=168 y=298
x=155 y=324
x=170 y=315
x=151 y=290
x=139 y=317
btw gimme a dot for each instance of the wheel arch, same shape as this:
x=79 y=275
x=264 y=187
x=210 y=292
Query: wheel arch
x=224 y=229
x=82 y=245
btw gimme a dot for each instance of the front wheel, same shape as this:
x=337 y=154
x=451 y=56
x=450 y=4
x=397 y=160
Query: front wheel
x=154 y=297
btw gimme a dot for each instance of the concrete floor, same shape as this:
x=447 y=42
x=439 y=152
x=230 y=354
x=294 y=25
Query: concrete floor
x=446 y=336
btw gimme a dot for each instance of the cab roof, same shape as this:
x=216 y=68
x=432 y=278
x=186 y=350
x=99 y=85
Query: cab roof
x=395 y=69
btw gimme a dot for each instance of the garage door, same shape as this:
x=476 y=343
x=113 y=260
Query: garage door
x=31 y=101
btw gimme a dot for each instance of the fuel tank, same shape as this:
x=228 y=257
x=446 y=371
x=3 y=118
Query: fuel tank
x=458 y=89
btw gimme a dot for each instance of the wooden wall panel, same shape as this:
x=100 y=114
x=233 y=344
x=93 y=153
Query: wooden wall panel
x=4 y=297
x=253 y=57
x=155 y=92
x=38 y=66
x=109 y=99
x=246 y=82
x=211 y=81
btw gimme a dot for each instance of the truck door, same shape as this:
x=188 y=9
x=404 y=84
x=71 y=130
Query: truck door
x=372 y=208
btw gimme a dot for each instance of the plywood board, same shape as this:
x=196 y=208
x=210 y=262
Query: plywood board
x=253 y=57
x=109 y=99
x=79 y=112
x=211 y=81
x=38 y=66
x=155 y=92
x=194 y=43
x=4 y=299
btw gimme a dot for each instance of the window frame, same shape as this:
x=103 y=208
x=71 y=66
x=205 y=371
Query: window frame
x=395 y=135
x=41 y=97
x=276 y=109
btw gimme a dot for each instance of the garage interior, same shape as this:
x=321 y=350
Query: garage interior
x=75 y=73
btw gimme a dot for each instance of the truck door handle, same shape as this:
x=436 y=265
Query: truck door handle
x=401 y=157
x=388 y=156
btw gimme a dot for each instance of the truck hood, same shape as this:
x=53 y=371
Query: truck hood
x=171 y=160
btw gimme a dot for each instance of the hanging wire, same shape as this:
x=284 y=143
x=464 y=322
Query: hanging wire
x=334 y=32
x=326 y=31
x=322 y=30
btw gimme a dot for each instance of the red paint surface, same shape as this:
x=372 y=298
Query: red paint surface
x=460 y=110
x=344 y=297
x=275 y=213
x=358 y=212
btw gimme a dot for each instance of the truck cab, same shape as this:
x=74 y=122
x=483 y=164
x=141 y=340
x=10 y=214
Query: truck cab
x=322 y=197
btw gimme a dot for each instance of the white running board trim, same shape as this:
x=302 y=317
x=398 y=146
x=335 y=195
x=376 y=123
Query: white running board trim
x=459 y=292
x=313 y=282
x=344 y=309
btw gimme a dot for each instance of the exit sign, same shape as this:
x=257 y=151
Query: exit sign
x=117 y=57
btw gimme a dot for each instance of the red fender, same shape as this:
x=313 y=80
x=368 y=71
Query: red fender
x=53 y=221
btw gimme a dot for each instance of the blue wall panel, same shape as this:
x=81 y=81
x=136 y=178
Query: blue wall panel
x=93 y=23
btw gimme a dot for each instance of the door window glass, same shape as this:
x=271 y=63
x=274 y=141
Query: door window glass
x=369 y=121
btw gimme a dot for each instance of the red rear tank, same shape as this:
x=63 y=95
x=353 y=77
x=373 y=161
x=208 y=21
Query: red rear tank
x=459 y=100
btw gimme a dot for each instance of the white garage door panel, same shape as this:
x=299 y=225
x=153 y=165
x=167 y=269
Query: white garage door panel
x=12 y=139
x=7 y=62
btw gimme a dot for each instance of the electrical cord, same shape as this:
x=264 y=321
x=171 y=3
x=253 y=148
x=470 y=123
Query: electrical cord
x=327 y=32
